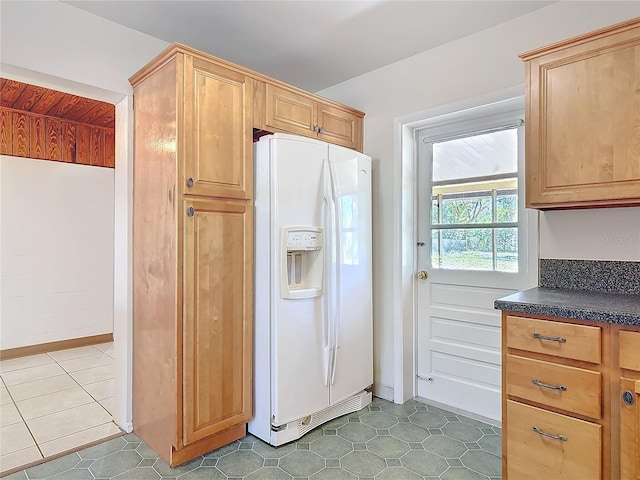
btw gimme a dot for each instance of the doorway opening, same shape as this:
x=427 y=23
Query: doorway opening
x=66 y=132
x=473 y=241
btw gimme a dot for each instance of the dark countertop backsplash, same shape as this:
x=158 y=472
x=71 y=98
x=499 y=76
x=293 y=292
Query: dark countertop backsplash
x=591 y=275
x=602 y=291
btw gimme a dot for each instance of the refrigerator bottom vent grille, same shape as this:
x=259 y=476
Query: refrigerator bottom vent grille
x=352 y=405
x=281 y=434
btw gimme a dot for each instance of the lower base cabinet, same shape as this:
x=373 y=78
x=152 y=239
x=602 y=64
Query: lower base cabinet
x=629 y=429
x=193 y=310
x=571 y=399
x=629 y=401
x=218 y=310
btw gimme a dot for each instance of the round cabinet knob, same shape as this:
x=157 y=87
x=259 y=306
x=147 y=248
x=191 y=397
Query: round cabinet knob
x=190 y=211
x=628 y=397
x=189 y=182
x=422 y=275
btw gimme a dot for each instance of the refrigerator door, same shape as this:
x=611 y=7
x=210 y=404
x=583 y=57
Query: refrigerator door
x=300 y=336
x=352 y=325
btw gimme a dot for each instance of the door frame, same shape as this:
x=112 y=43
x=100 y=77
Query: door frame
x=405 y=228
x=122 y=223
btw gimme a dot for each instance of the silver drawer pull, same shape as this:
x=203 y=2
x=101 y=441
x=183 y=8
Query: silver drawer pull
x=549 y=339
x=537 y=382
x=550 y=435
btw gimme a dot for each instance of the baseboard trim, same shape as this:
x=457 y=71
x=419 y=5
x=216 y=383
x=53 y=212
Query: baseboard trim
x=383 y=391
x=459 y=411
x=53 y=346
x=127 y=427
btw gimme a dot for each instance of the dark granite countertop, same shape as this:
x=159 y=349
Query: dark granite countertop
x=605 y=307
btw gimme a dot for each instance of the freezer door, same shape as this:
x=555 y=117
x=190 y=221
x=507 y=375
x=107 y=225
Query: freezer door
x=352 y=326
x=299 y=331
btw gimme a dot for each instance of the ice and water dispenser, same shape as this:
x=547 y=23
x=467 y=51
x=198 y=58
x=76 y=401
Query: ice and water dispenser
x=302 y=262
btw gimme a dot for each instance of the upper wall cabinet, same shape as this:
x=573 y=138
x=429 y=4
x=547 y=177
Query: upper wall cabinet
x=218 y=130
x=289 y=111
x=583 y=120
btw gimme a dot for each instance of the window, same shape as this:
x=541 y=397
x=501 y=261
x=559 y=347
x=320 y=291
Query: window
x=474 y=200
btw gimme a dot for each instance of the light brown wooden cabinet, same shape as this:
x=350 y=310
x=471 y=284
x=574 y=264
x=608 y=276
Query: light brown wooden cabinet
x=553 y=419
x=583 y=120
x=217 y=355
x=217 y=130
x=192 y=255
x=571 y=399
x=629 y=402
x=289 y=111
x=193 y=242
x=544 y=444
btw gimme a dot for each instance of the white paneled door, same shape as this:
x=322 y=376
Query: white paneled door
x=471 y=250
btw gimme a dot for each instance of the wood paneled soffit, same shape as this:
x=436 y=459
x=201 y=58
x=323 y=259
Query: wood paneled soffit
x=52 y=103
x=41 y=123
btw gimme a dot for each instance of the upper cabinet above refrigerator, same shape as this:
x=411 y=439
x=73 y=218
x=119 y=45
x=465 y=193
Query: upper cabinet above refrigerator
x=583 y=120
x=303 y=114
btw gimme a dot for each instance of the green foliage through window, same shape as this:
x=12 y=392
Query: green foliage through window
x=459 y=248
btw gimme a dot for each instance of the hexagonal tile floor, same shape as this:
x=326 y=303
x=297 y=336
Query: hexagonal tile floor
x=382 y=441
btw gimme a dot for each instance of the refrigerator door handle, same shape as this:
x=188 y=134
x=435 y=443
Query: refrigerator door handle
x=326 y=297
x=335 y=268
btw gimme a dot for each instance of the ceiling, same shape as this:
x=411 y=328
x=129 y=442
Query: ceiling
x=310 y=44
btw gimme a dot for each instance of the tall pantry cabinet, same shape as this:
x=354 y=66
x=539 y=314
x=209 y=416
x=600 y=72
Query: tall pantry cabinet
x=192 y=255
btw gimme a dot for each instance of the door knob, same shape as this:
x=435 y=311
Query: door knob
x=422 y=275
x=628 y=397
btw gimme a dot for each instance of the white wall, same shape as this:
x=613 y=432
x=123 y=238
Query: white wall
x=477 y=65
x=56 y=229
x=601 y=234
x=60 y=40
x=54 y=44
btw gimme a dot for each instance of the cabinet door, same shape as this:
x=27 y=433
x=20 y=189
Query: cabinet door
x=629 y=429
x=583 y=124
x=218 y=133
x=340 y=127
x=217 y=307
x=291 y=112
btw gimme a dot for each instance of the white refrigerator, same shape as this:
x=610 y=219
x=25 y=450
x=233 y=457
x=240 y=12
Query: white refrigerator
x=313 y=325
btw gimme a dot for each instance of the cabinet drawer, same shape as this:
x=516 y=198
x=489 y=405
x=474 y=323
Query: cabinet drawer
x=573 y=389
x=630 y=350
x=532 y=455
x=579 y=342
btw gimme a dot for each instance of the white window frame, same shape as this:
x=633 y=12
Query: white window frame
x=482 y=119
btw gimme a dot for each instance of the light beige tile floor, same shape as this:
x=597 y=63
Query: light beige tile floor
x=53 y=402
